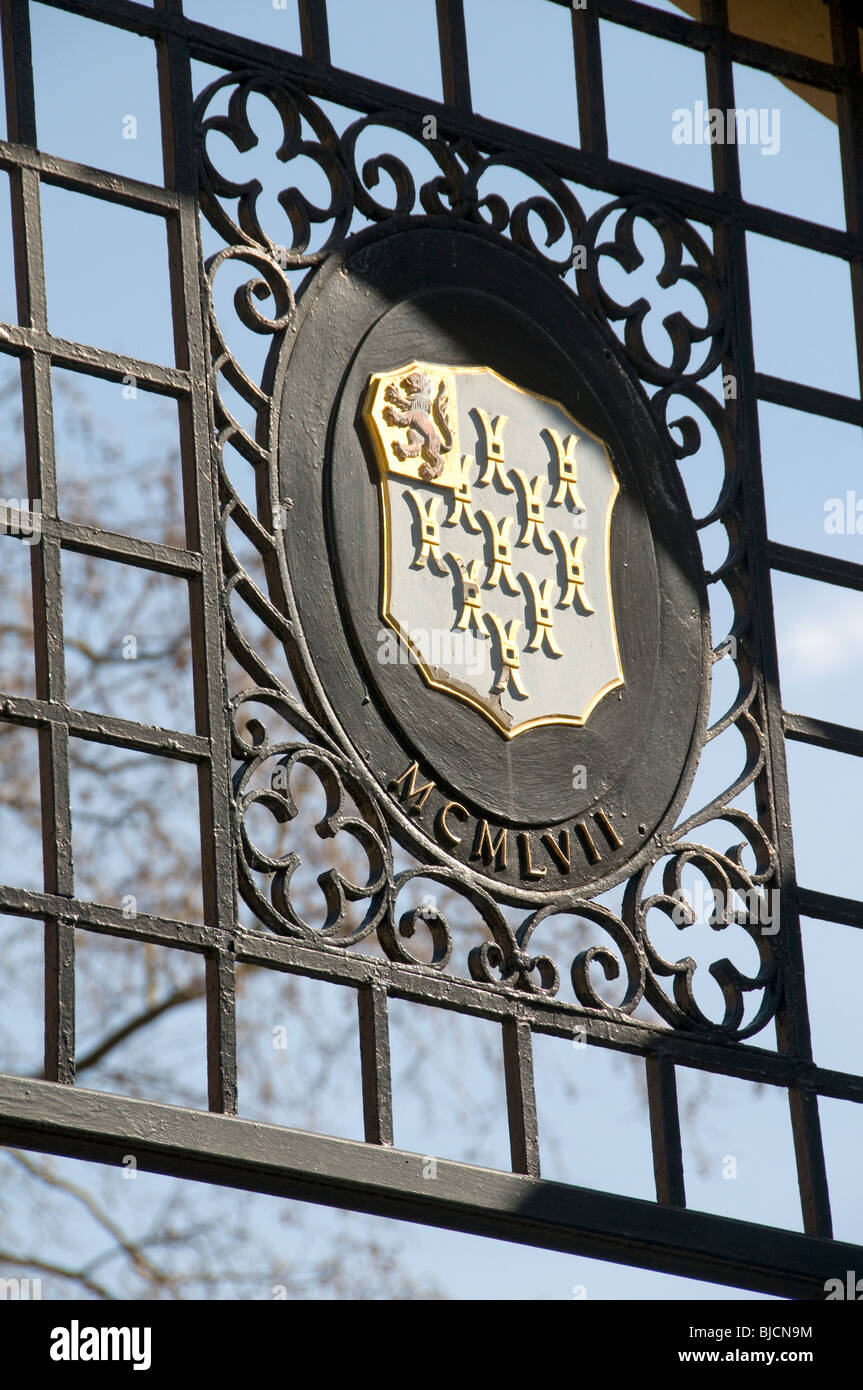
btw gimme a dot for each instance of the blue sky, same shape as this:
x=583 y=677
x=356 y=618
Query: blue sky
x=107 y=285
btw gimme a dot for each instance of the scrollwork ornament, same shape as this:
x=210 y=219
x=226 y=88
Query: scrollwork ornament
x=442 y=195
x=556 y=207
x=677 y=236
x=279 y=910
x=729 y=883
x=292 y=106
x=548 y=226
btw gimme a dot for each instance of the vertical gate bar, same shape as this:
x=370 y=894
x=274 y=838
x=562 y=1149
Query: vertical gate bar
x=589 y=82
x=375 y=1064
x=454 y=64
x=849 y=102
x=772 y=795
x=45 y=558
x=808 y=1136
x=520 y=1096
x=46 y=563
x=811 y=1167
x=315 y=31
x=221 y=1032
x=205 y=591
x=665 y=1131
x=18 y=71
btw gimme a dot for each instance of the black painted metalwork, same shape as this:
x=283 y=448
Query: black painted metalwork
x=500 y=980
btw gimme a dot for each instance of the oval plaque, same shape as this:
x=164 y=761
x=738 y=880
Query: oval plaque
x=493 y=567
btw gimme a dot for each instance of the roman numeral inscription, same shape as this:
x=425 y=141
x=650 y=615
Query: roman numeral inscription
x=592 y=838
x=413 y=796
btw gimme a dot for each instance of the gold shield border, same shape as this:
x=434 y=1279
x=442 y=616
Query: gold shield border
x=383 y=462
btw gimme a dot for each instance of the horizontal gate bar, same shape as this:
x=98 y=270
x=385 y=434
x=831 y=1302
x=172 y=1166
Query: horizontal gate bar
x=105 y=728
x=93 y=361
x=809 y=565
x=111 y=545
x=229 y=1152
x=223 y=49
x=840 y=738
x=813 y=399
x=427 y=986
x=830 y=908
x=85 y=178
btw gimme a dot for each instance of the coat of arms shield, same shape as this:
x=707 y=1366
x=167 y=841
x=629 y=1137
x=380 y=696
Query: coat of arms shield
x=495 y=573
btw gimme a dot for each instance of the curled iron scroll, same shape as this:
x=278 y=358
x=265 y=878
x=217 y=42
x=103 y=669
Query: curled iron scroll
x=549 y=224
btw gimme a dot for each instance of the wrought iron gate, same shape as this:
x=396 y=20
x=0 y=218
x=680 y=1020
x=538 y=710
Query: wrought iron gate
x=502 y=980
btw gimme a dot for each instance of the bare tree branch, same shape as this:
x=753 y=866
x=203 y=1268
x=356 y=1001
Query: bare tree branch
x=134 y=1025
x=75 y=1275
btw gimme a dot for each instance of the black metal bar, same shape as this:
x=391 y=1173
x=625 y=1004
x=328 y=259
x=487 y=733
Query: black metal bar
x=211 y=45
x=138 y=19
x=27 y=242
x=109 y=921
x=647 y=19
x=45 y=557
x=844 y=21
x=375 y=1064
x=809 y=565
x=251 y=948
x=201 y=509
x=838 y=737
x=811 y=1167
x=812 y=399
x=772 y=795
x=221 y=1032
x=588 y=81
x=665 y=1131
x=53 y=738
x=454 y=63
x=782 y=62
x=830 y=908
x=387 y=1182
x=315 y=31
x=82 y=178
x=720 y=94
x=845 y=34
x=520 y=1096
x=18 y=72
x=148 y=555
x=79 y=357
x=105 y=728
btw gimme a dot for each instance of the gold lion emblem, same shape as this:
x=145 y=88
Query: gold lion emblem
x=427 y=422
